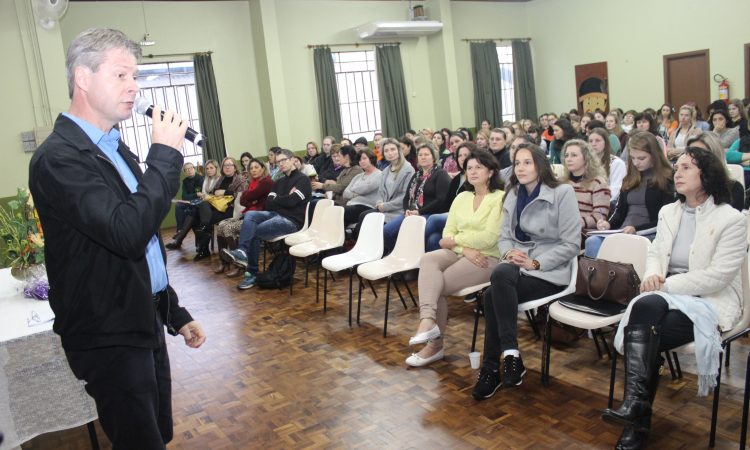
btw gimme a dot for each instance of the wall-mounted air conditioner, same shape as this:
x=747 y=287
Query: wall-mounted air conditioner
x=382 y=29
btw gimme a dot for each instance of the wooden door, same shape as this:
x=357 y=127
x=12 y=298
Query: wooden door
x=686 y=79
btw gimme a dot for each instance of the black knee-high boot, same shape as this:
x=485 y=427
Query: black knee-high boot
x=202 y=238
x=179 y=237
x=641 y=359
x=630 y=439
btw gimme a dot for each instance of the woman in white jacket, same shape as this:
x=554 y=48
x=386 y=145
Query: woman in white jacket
x=691 y=289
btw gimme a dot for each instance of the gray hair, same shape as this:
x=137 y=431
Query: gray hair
x=88 y=48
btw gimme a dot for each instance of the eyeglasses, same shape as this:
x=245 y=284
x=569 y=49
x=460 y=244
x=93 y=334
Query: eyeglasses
x=281 y=160
x=229 y=165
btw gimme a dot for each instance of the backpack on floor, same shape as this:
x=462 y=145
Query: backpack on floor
x=278 y=274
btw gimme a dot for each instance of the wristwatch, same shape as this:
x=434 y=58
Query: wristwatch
x=536 y=264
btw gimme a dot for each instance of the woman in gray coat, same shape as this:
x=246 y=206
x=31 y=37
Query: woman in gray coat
x=539 y=237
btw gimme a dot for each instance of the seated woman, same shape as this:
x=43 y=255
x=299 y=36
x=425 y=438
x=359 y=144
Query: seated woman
x=499 y=146
x=691 y=290
x=245 y=159
x=583 y=172
x=306 y=169
x=719 y=121
x=738 y=117
x=645 y=189
x=448 y=162
x=483 y=139
x=425 y=194
x=184 y=210
x=362 y=192
x=253 y=199
x=393 y=184
x=612 y=124
x=209 y=183
x=409 y=151
x=710 y=141
x=312 y=153
x=230 y=183
x=613 y=166
x=349 y=169
x=540 y=235
x=678 y=138
x=562 y=132
x=433 y=231
x=468 y=253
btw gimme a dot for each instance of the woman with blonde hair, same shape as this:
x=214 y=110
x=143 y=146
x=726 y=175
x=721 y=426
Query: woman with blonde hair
x=211 y=171
x=612 y=166
x=678 y=138
x=584 y=173
x=612 y=123
x=483 y=139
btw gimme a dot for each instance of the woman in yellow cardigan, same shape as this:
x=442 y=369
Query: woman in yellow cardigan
x=468 y=253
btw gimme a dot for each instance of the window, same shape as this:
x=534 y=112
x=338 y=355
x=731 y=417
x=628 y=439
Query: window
x=358 y=93
x=171 y=86
x=505 y=55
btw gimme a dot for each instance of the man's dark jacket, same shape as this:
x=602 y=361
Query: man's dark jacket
x=96 y=234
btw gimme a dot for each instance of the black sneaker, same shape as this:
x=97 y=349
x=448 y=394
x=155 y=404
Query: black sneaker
x=513 y=370
x=487 y=384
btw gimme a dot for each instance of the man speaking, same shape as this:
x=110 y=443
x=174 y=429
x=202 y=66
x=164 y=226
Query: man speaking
x=109 y=287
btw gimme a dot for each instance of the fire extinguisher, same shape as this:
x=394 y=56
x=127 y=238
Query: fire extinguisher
x=723 y=87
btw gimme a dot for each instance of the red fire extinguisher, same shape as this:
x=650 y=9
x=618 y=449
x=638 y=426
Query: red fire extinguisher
x=723 y=87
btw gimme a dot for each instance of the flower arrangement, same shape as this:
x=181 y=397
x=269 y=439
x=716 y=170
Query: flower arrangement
x=21 y=232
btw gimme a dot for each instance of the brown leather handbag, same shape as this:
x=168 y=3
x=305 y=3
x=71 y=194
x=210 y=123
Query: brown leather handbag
x=599 y=280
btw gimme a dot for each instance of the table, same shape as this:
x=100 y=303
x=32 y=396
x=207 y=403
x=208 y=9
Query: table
x=38 y=391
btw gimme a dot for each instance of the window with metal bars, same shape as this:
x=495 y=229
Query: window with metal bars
x=359 y=100
x=505 y=56
x=171 y=86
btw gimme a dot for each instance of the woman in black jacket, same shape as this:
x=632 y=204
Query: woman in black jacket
x=230 y=183
x=433 y=231
x=425 y=194
x=646 y=188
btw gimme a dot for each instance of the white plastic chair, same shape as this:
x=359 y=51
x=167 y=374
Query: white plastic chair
x=405 y=256
x=624 y=248
x=369 y=248
x=330 y=236
x=310 y=232
x=559 y=170
x=737 y=173
x=477 y=289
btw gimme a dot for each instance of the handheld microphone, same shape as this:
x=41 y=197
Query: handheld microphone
x=143 y=106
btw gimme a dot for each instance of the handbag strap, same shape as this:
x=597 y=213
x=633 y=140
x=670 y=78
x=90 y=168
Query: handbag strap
x=610 y=276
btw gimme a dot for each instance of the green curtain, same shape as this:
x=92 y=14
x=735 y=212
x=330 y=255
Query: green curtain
x=485 y=69
x=394 y=107
x=523 y=76
x=328 y=93
x=208 y=108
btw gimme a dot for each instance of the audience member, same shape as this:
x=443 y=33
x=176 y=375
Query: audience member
x=468 y=253
x=719 y=120
x=311 y=153
x=676 y=144
x=646 y=188
x=483 y=139
x=690 y=290
x=539 y=237
x=499 y=147
x=613 y=166
x=425 y=194
x=362 y=192
x=581 y=169
x=252 y=199
x=563 y=132
x=436 y=222
x=710 y=141
x=284 y=214
x=185 y=210
x=738 y=117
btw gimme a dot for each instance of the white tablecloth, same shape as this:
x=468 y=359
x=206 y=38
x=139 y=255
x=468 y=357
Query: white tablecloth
x=38 y=392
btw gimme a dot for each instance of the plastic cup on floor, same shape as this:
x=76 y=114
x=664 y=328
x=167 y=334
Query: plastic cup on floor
x=474 y=359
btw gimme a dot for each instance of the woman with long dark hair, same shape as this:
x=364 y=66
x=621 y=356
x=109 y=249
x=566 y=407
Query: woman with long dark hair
x=562 y=131
x=540 y=235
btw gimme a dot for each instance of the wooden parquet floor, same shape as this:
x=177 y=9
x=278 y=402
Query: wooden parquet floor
x=277 y=373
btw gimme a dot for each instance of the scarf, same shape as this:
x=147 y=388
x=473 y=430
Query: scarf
x=523 y=199
x=705 y=328
x=416 y=187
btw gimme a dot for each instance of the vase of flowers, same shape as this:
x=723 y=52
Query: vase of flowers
x=22 y=238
